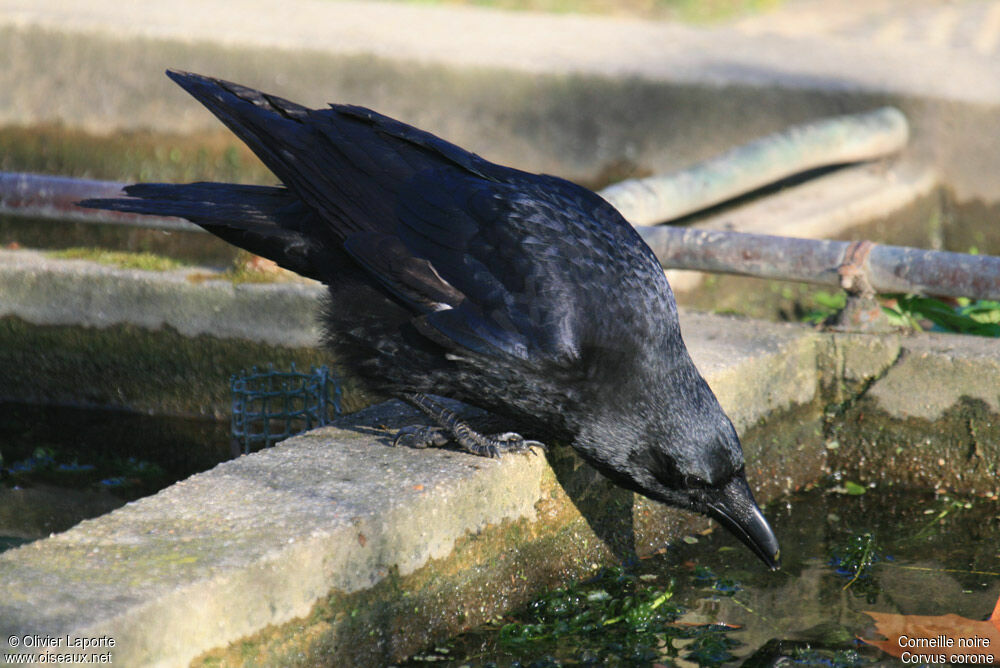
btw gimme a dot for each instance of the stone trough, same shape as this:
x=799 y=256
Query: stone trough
x=335 y=548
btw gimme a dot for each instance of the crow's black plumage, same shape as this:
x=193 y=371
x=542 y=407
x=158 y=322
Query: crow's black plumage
x=519 y=293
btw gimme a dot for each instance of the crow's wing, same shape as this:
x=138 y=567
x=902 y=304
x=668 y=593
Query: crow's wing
x=490 y=259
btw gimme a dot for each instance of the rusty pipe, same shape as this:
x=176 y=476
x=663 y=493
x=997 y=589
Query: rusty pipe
x=888 y=269
x=55 y=197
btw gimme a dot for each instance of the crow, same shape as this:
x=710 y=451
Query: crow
x=522 y=294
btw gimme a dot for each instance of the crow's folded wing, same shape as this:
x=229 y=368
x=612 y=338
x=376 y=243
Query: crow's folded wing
x=490 y=259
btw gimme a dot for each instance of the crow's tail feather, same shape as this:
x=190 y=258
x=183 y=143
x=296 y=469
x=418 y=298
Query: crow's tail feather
x=267 y=221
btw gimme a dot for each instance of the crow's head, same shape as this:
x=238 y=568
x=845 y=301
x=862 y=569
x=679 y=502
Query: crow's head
x=674 y=444
x=706 y=474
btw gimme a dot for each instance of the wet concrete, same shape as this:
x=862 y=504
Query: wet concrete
x=921 y=415
x=40 y=510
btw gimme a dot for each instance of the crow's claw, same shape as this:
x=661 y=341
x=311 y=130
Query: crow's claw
x=512 y=442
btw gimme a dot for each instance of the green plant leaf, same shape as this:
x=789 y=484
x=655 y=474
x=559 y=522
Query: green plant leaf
x=854 y=488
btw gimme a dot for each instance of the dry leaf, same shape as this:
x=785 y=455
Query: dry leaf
x=941 y=639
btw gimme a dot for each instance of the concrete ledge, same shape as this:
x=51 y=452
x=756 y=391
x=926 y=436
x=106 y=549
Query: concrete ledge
x=256 y=541
x=161 y=342
x=47 y=291
x=928 y=378
x=833 y=205
x=533 y=42
x=755 y=368
x=127 y=367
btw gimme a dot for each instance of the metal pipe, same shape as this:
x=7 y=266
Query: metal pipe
x=887 y=269
x=55 y=197
x=830 y=141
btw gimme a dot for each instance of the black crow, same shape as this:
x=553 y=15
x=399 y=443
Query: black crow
x=450 y=276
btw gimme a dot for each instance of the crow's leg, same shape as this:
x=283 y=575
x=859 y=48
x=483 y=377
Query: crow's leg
x=451 y=427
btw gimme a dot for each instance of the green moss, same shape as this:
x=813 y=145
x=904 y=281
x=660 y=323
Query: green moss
x=189 y=247
x=245 y=268
x=124 y=259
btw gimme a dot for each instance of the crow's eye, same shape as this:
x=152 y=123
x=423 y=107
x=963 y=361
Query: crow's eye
x=693 y=482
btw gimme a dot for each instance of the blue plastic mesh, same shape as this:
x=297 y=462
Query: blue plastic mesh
x=269 y=405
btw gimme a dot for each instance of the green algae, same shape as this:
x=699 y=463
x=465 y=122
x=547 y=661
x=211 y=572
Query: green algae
x=703 y=603
x=126 y=260
x=244 y=267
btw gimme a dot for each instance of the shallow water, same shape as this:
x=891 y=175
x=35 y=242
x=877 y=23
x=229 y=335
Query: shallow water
x=60 y=465
x=933 y=555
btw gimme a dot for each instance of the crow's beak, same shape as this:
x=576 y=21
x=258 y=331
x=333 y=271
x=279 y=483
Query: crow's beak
x=734 y=507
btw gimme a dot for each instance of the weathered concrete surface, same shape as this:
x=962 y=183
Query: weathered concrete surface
x=164 y=342
x=830 y=205
x=48 y=291
x=853 y=361
x=131 y=368
x=754 y=368
x=927 y=378
x=920 y=410
x=563 y=94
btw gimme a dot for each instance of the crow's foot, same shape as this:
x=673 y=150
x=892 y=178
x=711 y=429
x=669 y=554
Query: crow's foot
x=452 y=426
